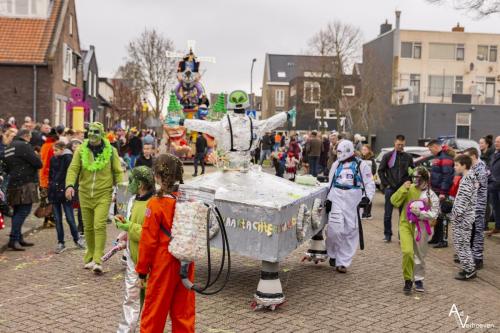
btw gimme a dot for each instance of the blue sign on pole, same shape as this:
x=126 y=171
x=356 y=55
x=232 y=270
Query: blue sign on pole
x=252 y=114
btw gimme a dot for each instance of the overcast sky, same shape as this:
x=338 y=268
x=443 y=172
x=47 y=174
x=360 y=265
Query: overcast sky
x=235 y=31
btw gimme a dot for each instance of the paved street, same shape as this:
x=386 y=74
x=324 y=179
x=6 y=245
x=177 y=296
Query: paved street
x=45 y=292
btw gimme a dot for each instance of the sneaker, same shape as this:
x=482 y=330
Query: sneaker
x=332 y=262
x=89 y=265
x=194 y=175
x=60 y=248
x=407 y=287
x=369 y=217
x=455 y=259
x=123 y=260
x=419 y=286
x=387 y=239
x=433 y=241
x=97 y=269
x=463 y=275
x=492 y=232
x=80 y=243
x=478 y=263
x=341 y=269
x=441 y=245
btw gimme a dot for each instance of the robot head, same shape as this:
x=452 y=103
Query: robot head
x=238 y=101
x=345 y=149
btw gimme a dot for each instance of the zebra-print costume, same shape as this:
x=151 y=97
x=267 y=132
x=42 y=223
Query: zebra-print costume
x=480 y=172
x=462 y=218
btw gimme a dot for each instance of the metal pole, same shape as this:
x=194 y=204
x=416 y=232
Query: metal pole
x=35 y=87
x=251 y=84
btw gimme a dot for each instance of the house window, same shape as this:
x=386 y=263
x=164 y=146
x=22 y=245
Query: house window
x=327 y=114
x=415 y=88
x=348 y=91
x=67 y=62
x=74 y=65
x=293 y=91
x=89 y=83
x=487 y=53
x=442 y=51
x=463 y=123
x=71 y=25
x=63 y=114
x=95 y=85
x=282 y=74
x=411 y=50
x=459 y=84
x=460 y=52
x=56 y=116
x=280 y=97
x=441 y=86
x=24 y=8
x=312 y=92
x=490 y=90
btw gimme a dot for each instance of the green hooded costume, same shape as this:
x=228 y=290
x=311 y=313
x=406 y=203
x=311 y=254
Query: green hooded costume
x=95 y=168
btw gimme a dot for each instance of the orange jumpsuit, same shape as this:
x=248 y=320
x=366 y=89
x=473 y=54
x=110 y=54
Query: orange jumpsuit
x=165 y=292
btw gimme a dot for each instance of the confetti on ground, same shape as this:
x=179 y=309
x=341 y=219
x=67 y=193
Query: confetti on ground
x=286 y=270
x=118 y=276
x=21 y=266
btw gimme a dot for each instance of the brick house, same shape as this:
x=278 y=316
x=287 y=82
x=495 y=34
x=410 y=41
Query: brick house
x=305 y=82
x=91 y=85
x=40 y=59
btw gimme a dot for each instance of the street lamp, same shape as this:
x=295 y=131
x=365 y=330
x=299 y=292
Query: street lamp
x=251 y=83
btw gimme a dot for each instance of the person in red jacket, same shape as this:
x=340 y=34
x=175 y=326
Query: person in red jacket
x=165 y=293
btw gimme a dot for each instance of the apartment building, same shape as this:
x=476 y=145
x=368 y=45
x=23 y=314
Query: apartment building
x=436 y=82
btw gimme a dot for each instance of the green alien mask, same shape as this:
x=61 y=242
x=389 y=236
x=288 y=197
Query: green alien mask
x=138 y=176
x=96 y=133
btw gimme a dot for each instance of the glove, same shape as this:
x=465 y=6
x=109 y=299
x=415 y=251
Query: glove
x=365 y=202
x=122 y=224
x=292 y=114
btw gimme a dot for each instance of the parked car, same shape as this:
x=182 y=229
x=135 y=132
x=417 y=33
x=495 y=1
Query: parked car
x=459 y=144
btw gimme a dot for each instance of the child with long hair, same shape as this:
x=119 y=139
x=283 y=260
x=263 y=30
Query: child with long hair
x=368 y=156
x=165 y=293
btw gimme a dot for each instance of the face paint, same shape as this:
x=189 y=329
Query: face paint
x=96 y=133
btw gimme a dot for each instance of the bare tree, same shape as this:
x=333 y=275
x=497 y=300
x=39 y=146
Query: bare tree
x=156 y=72
x=343 y=42
x=367 y=111
x=480 y=8
x=126 y=103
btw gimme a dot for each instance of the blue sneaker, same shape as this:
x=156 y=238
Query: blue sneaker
x=419 y=286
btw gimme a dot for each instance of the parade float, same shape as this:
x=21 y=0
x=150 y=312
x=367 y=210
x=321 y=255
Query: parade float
x=265 y=217
x=188 y=100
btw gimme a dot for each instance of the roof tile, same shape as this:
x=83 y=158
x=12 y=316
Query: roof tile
x=27 y=40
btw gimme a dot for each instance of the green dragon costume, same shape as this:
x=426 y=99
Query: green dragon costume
x=96 y=169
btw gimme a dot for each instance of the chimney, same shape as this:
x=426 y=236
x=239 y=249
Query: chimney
x=398 y=19
x=458 y=28
x=385 y=27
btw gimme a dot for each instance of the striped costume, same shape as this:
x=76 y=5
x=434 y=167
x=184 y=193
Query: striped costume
x=480 y=172
x=462 y=219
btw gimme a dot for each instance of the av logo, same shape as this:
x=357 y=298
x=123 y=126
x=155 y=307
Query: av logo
x=459 y=316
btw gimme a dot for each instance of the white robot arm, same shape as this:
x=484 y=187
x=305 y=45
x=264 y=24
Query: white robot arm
x=203 y=126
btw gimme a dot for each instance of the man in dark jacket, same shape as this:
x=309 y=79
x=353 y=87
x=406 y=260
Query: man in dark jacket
x=135 y=147
x=266 y=147
x=442 y=174
x=314 y=150
x=201 y=153
x=494 y=186
x=393 y=172
x=22 y=166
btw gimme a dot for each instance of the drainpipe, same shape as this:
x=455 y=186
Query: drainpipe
x=424 y=129
x=35 y=86
x=396 y=49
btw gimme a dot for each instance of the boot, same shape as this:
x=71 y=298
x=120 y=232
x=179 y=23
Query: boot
x=15 y=246
x=23 y=243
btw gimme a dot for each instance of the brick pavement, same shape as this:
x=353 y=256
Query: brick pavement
x=45 y=292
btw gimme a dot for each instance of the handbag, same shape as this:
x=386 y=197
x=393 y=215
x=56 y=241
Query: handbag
x=43 y=211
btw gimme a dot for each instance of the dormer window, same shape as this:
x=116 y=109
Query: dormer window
x=282 y=74
x=25 y=8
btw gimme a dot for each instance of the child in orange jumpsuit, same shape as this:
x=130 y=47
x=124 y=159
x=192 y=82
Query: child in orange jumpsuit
x=165 y=293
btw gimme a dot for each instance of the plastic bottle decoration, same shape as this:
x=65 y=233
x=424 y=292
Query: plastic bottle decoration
x=414 y=207
x=79 y=109
x=219 y=108
x=316 y=214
